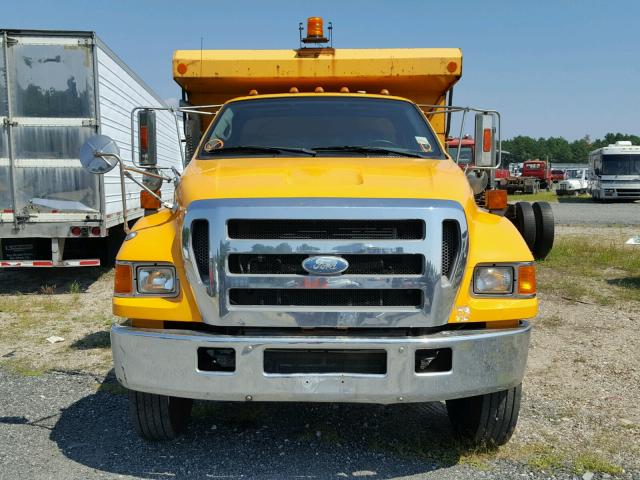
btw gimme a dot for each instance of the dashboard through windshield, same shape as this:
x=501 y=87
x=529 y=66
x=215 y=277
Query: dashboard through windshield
x=323 y=126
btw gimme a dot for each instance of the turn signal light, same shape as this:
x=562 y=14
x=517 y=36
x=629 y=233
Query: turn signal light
x=149 y=202
x=486 y=140
x=123 y=280
x=527 y=280
x=495 y=199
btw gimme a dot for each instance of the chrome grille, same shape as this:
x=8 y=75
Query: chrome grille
x=450 y=246
x=326 y=297
x=200 y=244
x=326 y=229
x=291 y=264
x=406 y=259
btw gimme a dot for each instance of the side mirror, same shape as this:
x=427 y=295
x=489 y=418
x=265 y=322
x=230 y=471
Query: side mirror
x=485 y=140
x=99 y=154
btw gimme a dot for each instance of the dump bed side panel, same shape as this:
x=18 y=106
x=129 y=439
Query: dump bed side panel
x=423 y=75
x=120 y=91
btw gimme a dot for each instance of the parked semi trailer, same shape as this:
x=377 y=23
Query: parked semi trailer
x=323 y=247
x=58 y=88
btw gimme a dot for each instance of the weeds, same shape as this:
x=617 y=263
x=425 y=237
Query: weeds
x=593 y=463
x=582 y=270
x=47 y=289
x=74 y=288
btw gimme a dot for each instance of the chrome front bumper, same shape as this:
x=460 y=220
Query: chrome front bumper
x=165 y=362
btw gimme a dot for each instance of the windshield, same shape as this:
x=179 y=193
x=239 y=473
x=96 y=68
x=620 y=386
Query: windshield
x=570 y=174
x=466 y=154
x=298 y=126
x=621 y=164
x=533 y=166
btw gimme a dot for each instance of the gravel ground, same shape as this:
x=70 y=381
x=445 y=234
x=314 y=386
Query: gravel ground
x=568 y=212
x=61 y=425
x=580 y=403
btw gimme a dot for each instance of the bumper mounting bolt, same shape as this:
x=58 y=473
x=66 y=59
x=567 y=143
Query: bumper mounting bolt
x=400 y=399
x=401 y=349
x=248 y=398
x=250 y=347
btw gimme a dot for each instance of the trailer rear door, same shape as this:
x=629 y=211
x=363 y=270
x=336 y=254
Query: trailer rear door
x=50 y=103
x=5 y=184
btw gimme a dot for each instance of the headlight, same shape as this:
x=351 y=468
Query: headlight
x=493 y=280
x=156 y=280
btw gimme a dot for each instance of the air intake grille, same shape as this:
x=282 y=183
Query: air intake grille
x=450 y=246
x=200 y=245
x=326 y=229
x=285 y=264
x=326 y=297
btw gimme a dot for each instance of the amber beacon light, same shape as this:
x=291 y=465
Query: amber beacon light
x=315 y=31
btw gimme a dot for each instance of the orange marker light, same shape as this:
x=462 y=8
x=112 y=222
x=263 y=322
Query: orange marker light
x=319 y=90
x=123 y=281
x=144 y=137
x=384 y=91
x=495 y=199
x=452 y=67
x=486 y=140
x=527 y=280
x=344 y=90
x=314 y=27
x=148 y=202
x=293 y=90
x=253 y=92
x=182 y=68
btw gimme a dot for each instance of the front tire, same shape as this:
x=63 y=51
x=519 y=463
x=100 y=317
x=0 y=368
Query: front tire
x=486 y=419
x=158 y=417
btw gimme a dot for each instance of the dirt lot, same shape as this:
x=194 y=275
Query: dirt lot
x=580 y=409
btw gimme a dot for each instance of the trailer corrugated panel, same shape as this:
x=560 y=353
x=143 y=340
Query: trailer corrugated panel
x=119 y=92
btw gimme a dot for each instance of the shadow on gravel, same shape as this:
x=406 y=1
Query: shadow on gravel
x=48 y=280
x=632 y=283
x=274 y=440
x=100 y=339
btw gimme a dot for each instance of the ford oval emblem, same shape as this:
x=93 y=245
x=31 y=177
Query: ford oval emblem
x=325 y=265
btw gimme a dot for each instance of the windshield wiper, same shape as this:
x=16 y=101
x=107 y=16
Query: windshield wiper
x=260 y=148
x=363 y=149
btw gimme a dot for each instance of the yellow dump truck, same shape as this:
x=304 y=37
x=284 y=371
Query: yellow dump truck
x=323 y=247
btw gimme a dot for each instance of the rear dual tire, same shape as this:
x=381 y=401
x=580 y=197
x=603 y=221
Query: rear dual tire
x=158 y=417
x=487 y=420
x=536 y=225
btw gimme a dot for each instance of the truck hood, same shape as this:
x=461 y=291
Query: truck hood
x=347 y=177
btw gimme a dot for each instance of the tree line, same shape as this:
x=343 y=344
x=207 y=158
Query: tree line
x=558 y=149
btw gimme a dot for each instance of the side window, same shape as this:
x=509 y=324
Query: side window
x=147 y=138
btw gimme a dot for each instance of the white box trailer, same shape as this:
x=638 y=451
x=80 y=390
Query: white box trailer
x=57 y=88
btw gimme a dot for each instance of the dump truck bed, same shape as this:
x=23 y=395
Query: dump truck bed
x=423 y=75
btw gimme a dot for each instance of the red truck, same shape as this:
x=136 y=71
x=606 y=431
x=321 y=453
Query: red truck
x=467 y=146
x=539 y=169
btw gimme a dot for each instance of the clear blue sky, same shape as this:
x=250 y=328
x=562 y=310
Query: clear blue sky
x=552 y=67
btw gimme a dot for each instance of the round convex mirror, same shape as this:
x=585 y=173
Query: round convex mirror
x=479 y=180
x=152 y=182
x=97 y=154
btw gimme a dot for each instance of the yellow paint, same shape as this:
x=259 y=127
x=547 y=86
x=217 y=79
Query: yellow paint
x=418 y=74
x=492 y=238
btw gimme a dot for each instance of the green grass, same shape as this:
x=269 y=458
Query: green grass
x=542 y=196
x=590 y=462
x=74 y=287
x=604 y=272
